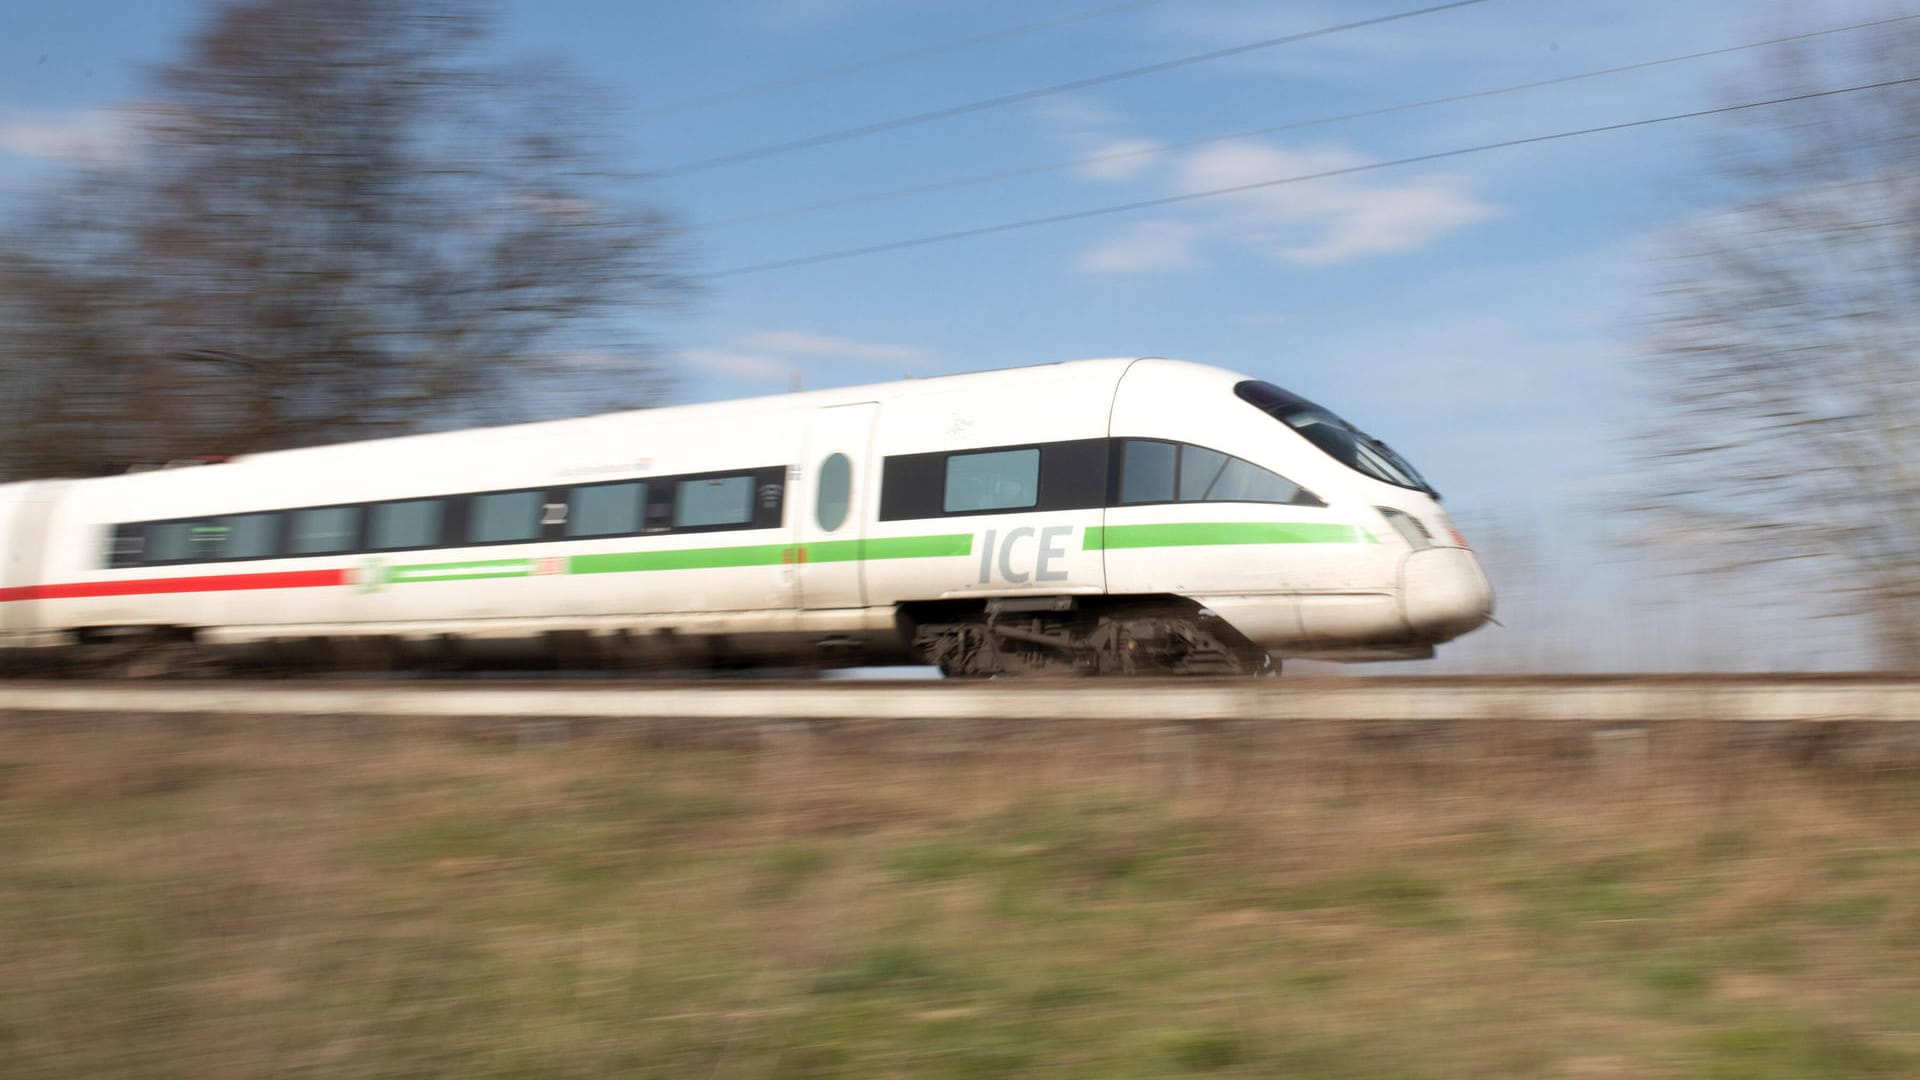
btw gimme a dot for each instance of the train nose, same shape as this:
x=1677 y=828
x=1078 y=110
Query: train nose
x=1444 y=593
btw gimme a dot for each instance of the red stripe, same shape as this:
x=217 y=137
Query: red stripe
x=290 y=579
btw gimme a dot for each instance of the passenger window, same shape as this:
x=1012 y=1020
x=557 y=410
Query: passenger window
x=171 y=542
x=834 y=492
x=128 y=545
x=1147 y=471
x=1242 y=481
x=411 y=524
x=206 y=541
x=1157 y=472
x=997 y=480
x=252 y=536
x=606 y=509
x=324 y=531
x=1200 y=471
x=510 y=515
x=726 y=500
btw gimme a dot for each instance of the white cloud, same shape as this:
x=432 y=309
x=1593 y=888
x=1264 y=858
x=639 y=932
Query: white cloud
x=1089 y=129
x=76 y=137
x=728 y=364
x=1356 y=223
x=1249 y=162
x=1309 y=222
x=796 y=343
x=1330 y=220
x=793 y=356
x=1146 y=245
x=1117 y=159
x=1078 y=113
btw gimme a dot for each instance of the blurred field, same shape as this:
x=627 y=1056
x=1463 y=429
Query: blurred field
x=233 y=899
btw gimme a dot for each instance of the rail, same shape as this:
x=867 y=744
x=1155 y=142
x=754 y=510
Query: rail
x=1607 y=700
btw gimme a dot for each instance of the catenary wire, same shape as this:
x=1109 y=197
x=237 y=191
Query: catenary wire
x=724 y=97
x=1169 y=200
x=898 y=122
x=1166 y=148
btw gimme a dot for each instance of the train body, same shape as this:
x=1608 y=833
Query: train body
x=1095 y=516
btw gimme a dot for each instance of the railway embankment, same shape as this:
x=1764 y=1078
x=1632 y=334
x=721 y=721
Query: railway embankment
x=1576 y=879
x=1620 y=725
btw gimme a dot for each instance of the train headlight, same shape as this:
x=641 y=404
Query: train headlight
x=1408 y=526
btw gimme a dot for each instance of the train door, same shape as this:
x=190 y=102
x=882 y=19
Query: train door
x=834 y=501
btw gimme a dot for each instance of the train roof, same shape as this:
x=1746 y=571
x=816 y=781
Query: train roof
x=1105 y=370
x=504 y=447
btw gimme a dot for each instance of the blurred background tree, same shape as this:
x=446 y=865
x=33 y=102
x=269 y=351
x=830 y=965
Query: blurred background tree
x=1785 y=354
x=338 y=220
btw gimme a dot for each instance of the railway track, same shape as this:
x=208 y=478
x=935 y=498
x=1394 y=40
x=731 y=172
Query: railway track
x=1595 y=700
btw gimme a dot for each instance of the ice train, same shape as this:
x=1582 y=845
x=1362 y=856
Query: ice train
x=1115 y=516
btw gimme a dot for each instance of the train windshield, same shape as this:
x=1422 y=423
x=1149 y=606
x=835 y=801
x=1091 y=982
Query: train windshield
x=1345 y=443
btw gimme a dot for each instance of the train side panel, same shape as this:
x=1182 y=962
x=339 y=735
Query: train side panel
x=453 y=587
x=974 y=531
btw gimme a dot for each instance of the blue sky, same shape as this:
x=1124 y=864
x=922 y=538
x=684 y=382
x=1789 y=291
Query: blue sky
x=1479 y=312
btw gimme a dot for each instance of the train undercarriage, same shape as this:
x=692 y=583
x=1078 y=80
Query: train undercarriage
x=1009 y=637
x=1061 y=636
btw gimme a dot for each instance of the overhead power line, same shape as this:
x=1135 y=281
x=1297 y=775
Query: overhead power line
x=895 y=124
x=823 y=74
x=1169 y=200
x=1166 y=148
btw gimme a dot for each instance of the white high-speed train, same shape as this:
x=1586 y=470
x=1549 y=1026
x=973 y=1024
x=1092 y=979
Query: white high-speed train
x=1100 y=516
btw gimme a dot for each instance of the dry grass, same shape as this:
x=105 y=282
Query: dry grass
x=221 y=899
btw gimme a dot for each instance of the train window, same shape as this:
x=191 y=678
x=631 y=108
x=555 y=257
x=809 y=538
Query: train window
x=1242 y=481
x=1200 y=470
x=206 y=540
x=170 y=542
x=507 y=515
x=414 y=523
x=1069 y=475
x=251 y=536
x=1158 y=472
x=996 y=480
x=720 y=500
x=606 y=509
x=128 y=545
x=833 y=492
x=1340 y=440
x=1073 y=475
x=1147 y=471
x=659 y=509
x=324 y=531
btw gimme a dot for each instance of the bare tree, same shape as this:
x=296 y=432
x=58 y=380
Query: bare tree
x=1785 y=356
x=336 y=223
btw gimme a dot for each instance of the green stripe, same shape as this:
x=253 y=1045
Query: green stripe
x=949 y=545
x=909 y=547
x=623 y=562
x=825 y=551
x=829 y=551
x=892 y=547
x=1208 y=534
x=459 y=571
